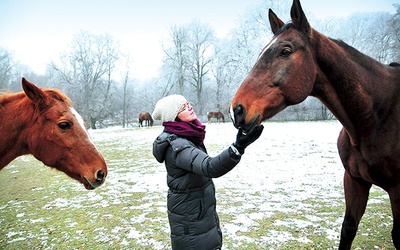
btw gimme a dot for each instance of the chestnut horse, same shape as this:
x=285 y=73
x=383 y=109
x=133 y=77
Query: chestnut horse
x=217 y=115
x=146 y=118
x=43 y=123
x=362 y=93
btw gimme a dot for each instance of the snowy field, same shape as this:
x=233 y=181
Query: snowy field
x=285 y=193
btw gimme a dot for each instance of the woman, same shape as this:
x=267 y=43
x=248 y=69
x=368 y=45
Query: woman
x=191 y=200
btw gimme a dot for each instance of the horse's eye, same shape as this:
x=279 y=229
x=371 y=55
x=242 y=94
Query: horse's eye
x=64 y=125
x=286 y=52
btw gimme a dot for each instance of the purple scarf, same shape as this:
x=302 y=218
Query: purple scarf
x=193 y=131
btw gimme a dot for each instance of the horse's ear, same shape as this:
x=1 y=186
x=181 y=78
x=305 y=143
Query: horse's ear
x=274 y=21
x=299 y=18
x=34 y=93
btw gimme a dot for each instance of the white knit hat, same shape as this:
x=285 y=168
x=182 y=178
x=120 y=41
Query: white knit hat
x=167 y=108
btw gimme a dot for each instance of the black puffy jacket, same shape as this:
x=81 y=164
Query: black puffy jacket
x=191 y=201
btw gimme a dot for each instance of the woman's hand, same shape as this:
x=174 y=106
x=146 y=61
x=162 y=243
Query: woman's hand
x=244 y=140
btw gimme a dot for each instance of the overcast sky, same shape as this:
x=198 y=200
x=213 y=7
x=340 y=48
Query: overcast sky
x=38 y=31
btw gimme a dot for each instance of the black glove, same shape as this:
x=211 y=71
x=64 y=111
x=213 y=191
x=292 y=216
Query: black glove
x=244 y=140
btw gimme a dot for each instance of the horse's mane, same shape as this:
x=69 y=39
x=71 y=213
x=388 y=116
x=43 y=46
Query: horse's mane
x=343 y=44
x=360 y=57
x=9 y=97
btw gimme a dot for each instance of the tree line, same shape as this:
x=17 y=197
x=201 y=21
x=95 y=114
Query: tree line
x=94 y=72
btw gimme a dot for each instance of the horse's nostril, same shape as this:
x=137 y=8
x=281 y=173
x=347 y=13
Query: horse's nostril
x=100 y=175
x=239 y=109
x=239 y=114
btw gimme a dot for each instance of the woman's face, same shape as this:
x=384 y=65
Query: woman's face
x=186 y=113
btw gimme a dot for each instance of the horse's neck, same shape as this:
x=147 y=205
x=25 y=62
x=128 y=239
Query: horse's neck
x=345 y=84
x=13 y=117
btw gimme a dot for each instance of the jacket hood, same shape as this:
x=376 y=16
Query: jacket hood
x=161 y=144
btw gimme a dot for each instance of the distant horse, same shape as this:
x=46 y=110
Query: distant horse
x=43 y=123
x=146 y=118
x=361 y=92
x=217 y=115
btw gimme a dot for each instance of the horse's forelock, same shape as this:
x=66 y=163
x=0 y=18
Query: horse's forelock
x=56 y=94
x=283 y=28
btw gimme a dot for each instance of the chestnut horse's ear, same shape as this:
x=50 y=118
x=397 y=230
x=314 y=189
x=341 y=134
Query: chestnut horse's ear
x=274 y=21
x=299 y=18
x=34 y=93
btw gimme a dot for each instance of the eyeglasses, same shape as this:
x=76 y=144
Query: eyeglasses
x=185 y=106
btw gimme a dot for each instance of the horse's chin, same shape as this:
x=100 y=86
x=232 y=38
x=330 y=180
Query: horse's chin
x=249 y=126
x=88 y=185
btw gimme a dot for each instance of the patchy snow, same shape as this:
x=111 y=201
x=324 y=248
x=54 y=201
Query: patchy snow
x=292 y=169
x=290 y=163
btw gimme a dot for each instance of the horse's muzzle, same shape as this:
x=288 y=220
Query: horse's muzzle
x=238 y=116
x=99 y=179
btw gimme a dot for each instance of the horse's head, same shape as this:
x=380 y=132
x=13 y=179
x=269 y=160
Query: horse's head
x=283 y=75
x=57 y=136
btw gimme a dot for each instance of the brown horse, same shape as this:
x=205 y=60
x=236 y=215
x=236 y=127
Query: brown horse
x=217 y=115
x=361 y=92
x=42 y=122
x=146 y=118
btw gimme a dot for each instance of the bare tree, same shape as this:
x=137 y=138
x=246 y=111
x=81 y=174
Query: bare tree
x=394 y=33
x=175 y=61
x=200 y=46
x=225 y=73
x=187 y=60
x=6 y=66
x=368 y=33
x=87 y=69
x=125 y=96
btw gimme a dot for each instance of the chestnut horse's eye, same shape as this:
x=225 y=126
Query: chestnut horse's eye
x=64 y=125
x=285 y=52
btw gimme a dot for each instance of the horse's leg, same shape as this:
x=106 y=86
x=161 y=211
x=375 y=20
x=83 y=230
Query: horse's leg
x=395 y=202
x=356 y=193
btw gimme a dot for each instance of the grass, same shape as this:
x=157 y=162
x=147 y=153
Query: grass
x=45 y=213
x=41 y=208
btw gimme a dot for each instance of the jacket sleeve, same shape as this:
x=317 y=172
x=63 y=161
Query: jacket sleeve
x=195 y=160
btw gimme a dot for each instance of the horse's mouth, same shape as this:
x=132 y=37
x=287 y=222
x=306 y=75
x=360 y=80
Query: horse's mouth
x=88 y=185
x=249 y=126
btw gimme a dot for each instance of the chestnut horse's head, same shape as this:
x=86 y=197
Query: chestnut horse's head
x=283 y=75
x=57 y=136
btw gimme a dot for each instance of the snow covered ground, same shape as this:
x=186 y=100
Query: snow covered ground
x=286 y=191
